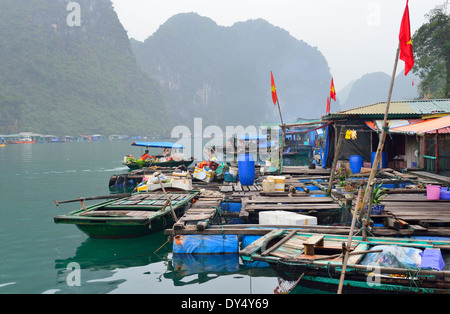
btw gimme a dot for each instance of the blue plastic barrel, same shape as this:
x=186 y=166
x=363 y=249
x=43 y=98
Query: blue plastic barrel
x=246 y=165
x=383 y=159
x=356 y=162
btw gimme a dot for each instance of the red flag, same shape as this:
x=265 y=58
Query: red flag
x=406 y=50
x=328 y=105
x=332 y=90
x=274 y=90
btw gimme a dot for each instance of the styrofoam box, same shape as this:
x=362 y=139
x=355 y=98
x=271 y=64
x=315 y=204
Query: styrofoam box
x=285 y=218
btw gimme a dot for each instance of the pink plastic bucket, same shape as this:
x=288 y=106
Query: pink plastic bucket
x=433 y=192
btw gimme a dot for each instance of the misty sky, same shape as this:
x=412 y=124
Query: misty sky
x=355 y=36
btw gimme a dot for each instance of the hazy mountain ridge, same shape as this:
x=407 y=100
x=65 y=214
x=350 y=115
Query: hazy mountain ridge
x=374 y=87
x=57 y=78
x=222 y=74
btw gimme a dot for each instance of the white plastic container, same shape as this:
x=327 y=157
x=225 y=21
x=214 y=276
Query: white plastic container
x=280 y=217
x=182 y=183
x=280 y=182
x=268 y=185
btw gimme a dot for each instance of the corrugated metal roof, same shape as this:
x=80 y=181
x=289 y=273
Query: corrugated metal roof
x=406 y=108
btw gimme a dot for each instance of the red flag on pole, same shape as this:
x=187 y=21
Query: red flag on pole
x=406 y=50
x=274 y=90
x=332 y=90
x=328 y=105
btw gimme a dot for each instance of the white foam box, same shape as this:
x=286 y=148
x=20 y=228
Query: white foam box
x=285 y=218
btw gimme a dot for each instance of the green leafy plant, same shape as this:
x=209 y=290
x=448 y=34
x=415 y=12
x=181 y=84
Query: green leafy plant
x=378 y=194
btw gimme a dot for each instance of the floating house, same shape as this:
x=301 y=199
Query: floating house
x=418 y=135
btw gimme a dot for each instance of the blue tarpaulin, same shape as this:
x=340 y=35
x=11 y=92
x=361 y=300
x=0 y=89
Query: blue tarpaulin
x=432 y=259
x=206 y=244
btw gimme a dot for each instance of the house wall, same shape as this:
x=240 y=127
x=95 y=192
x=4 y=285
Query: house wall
x=413 y=151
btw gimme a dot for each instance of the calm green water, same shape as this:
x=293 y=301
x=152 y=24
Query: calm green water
x=35 y=252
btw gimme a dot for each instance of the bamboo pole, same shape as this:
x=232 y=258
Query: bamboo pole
x=282 y=148
x=383 y=131
x=82 y=199
x=366 y=223
x=349 y=243
x=336 y=156
x=436 y=153
x=167 y=197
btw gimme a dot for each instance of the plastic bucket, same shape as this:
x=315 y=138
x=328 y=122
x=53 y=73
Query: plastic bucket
x=433 y=192
x=356 y=162
x=246 y=165
x=383 y=159
x=444 y=194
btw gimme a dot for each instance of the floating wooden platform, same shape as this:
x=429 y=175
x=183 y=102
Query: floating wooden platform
x=202 y=213
x=304 y=203
x=417 y=212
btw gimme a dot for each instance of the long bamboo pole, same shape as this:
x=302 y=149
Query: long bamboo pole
x=383 y=131
x=283 y=128
x=349 y=243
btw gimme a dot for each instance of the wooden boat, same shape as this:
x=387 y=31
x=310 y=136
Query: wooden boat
x=135 y=215
x=159 y=161
x=22 y=140
x=318 y=260
x=168 y=164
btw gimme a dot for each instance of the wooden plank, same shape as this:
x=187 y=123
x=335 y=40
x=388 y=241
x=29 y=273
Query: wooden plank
x=252 y=208
x=353 y=259
x=196 y=217
x=311 y=242
x=226 y=188
x=307 y=199
x=256 y=245
x=279 y=243
x=244 y=212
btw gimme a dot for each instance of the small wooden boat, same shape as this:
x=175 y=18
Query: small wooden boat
x=373 y=266
x=172 y=161
x=22 y=140
x=135 y=215
x=167 y=164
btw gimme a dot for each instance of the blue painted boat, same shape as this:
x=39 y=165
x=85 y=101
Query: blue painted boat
x=318 y=260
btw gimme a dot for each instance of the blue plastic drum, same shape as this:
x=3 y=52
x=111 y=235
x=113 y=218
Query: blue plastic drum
x=356 y=163
x=246 y=165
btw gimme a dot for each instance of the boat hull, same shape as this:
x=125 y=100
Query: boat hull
x=112 y=230
x=317 y=260
x=130 y=217
x=169 y=164
x=327 y=279
x=21 y=142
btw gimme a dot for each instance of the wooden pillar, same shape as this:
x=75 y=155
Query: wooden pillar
x=436 y=153
x=337 y=152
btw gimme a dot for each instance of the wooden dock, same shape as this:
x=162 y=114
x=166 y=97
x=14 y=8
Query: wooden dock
x=407 y=211
x=203 y=212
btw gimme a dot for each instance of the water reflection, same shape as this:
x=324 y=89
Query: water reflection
x=206 y=267
x=120 y=253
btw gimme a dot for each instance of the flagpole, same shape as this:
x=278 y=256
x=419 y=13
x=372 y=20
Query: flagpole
x=383 y=133
x=279 y=110
x=282 y=138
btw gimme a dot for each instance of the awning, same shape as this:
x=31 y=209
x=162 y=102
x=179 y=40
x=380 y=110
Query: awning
x=442 y=125
x=377 y=125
